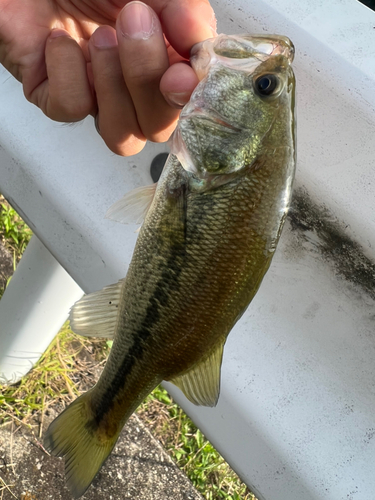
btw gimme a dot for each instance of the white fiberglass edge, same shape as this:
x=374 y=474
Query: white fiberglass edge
x=34 y=306
x=296 y=412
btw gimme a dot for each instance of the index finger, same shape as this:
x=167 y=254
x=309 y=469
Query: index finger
x=185 y=22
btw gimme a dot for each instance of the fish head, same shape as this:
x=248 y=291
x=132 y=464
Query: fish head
x=244 y=98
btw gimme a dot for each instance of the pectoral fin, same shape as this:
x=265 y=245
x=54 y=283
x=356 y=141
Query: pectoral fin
x=133 y=207
x=95 y=315
x=201 y=384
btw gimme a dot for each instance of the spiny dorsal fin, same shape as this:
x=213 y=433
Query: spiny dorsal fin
x=133 y=207
x=95 y=315
x=201 y=384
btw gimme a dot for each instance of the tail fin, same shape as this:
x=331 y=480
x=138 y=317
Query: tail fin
x=71 y=436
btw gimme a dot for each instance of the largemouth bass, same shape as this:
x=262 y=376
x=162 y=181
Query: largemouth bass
x=211 y=226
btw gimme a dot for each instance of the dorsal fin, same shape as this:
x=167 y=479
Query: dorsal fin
x=133 y=207
x=95 y=315
x=201 y=384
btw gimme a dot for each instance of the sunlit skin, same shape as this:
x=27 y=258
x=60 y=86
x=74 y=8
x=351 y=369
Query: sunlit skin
x=75 y=58
x=207 y=241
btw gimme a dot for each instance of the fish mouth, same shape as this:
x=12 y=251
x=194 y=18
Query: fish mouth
x=207 y=113
x=270 y=45
x=242 y=52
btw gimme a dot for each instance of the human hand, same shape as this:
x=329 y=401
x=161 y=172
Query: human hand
x=69 y=72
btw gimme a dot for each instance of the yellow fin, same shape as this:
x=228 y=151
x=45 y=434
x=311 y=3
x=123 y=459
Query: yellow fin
x=201 y=384
x=133 y=207
x=95 y=315
x=70 y=436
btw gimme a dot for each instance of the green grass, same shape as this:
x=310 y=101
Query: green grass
x=49 y=380
x=189 y=448
x=14 y=235
x=62 y=374
x=13 y=229
x=59 y=376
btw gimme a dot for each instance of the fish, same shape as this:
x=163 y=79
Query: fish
x=210 y=227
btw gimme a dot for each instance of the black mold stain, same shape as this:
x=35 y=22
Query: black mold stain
x=344 y=254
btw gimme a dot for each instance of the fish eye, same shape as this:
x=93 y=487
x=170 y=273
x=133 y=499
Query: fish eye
x=265 y=85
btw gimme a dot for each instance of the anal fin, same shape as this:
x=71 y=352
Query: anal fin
x=201 y=384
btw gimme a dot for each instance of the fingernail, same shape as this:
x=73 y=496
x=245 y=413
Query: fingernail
x=137 y=21
x=55 y=33
x=104 y=38
x=177 y=99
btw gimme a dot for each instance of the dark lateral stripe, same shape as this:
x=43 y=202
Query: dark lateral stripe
x=165 y=286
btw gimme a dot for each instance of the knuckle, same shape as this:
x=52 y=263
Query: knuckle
x=70 y=107
x=144 y=72
x=122 y=144
x=161 y=135
x=130 y=147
